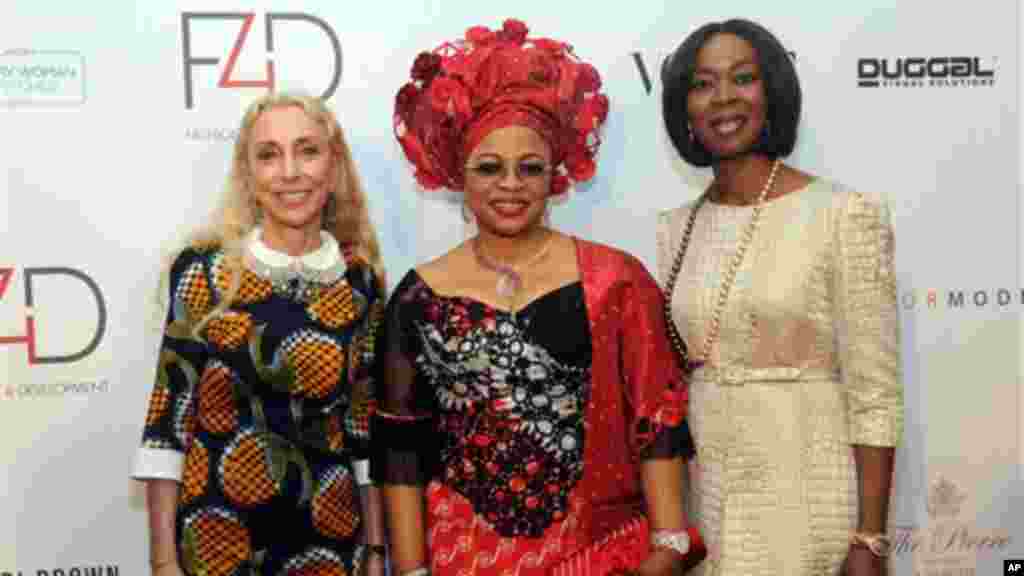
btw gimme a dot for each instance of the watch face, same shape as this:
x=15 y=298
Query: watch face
x=878 y=545
x=678 y=541
x=881 y=547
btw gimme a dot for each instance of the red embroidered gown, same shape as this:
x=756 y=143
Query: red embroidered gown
x=527 y=430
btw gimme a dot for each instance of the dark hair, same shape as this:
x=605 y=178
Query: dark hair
x=782 y=90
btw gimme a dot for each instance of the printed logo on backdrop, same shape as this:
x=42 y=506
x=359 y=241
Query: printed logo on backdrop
x=109 y=570
x=949 y=544
x=63 y=297
x=965 y=299
x=927 y=72
x=288 y=49
x=42 y=77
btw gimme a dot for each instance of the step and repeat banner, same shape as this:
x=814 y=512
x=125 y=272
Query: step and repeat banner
x=118 y=119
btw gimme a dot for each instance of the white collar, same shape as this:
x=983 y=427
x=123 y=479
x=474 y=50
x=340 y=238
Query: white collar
x=324 y=257
x=325 y=264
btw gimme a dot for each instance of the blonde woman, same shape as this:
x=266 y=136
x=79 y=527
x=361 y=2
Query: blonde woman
x=256 y=435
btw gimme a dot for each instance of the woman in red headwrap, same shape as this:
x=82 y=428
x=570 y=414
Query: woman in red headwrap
x=531 y=414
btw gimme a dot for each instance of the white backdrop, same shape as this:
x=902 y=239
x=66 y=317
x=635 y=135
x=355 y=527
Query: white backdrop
x=107 y=165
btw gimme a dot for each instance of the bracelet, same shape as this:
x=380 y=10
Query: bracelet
x=154 y=566
x=377 y=549
x=678 y=542
x=876 y=542
x=421 y=571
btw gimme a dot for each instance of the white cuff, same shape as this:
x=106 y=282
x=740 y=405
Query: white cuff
x=362 y=470
x=160 y=463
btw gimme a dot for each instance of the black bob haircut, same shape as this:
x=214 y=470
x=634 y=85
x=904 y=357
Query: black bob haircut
x=782 y=90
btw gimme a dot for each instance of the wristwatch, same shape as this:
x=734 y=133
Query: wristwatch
x=878 y=544
x=377 y=549
x=679 y=541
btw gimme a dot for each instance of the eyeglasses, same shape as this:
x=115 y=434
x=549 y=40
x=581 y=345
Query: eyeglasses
x=526 y=170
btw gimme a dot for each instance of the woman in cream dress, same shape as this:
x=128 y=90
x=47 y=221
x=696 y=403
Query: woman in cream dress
x=782 y=285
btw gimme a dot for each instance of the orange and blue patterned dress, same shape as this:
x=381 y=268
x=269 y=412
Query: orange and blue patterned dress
x=263 y=415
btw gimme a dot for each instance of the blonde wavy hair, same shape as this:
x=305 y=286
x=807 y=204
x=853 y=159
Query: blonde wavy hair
x=237 y=213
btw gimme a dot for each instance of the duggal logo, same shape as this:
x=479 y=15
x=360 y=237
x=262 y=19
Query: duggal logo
x=42 y=77
x=927 y=72
x=271 y=40
x=29 y=338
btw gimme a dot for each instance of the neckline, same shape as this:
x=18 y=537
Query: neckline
x=768 y=201
x=501 y=309
x=323 y=257
x=498 y=309
x=325 y=265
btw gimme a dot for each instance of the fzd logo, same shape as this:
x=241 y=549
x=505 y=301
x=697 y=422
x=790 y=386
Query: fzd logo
x=34 y=277
x=227 y=76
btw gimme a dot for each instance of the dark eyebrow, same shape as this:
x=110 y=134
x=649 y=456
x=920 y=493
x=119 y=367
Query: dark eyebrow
x=735 y=65
x=488 y=156
x=533 y=156
x=496 y=157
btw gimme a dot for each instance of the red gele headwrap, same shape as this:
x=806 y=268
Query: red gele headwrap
x=466 y=89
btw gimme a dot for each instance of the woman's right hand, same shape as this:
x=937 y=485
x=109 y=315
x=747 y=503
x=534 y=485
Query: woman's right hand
x=168 y=569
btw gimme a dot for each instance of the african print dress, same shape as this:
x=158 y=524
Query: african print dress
x=527 y=429
x=263 y=417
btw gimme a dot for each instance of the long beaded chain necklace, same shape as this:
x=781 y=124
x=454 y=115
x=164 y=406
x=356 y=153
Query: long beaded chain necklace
x=510 y=279
x=728 y=277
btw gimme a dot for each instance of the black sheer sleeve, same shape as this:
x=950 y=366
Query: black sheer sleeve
x=404 y=438
x=671 y=442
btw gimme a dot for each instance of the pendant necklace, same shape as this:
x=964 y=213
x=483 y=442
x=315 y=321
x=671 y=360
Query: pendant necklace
x=510 y=280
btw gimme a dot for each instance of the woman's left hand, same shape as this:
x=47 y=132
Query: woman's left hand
x=375 y=565
x=661 y=562
x=861 y=562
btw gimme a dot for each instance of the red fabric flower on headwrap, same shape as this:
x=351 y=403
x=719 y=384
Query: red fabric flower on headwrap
x=463 y=90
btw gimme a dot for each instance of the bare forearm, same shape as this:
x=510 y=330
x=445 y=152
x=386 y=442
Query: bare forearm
x=874 y=481
x=663 y=490
x=162 y=503
x=406 y=526
x=373 y=515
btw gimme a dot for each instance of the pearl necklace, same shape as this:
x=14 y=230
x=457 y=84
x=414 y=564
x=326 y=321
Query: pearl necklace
x=728 y=276
x=510 y=280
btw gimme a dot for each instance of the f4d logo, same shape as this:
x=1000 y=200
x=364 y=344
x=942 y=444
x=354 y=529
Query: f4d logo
x=30 y=336
x=227 y=78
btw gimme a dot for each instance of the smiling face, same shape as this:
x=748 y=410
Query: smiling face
x=726 y=101
x=508 y=180
x=291 y=168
